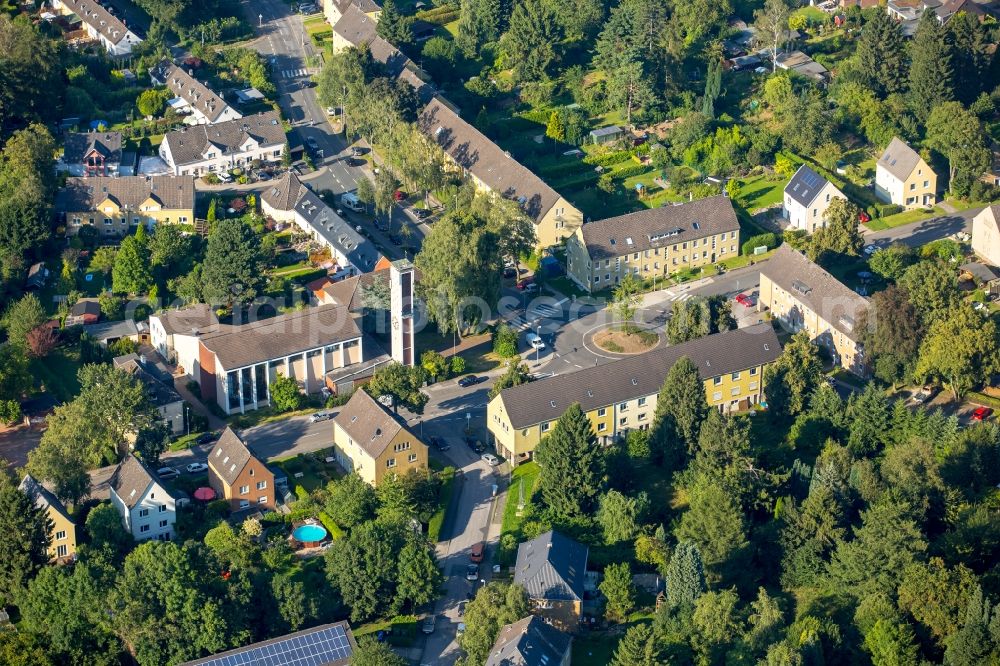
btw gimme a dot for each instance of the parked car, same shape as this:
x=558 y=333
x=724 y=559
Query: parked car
x=870 y=249
x=196 y=468
x=472 y=572
x=745 y=300
x=399 y=195
x=981 y=413
x=207 y=437
x=263 y=176
x=534 y=341
x=312 y=143
x=510 y=272
x=470 y=380
x=461 y=628
x=461 y=608
x=438 y=443
x=428 y=626
x=527 y=285
x=474 y=444
x=167 y=473
x=924 y=394
x=422 y=213
x=320 y=416
x=477 y=551
x=491 y=459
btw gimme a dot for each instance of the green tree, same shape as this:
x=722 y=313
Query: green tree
x=350 y=501
x=881 y=55
x=890 y=263
x=689 y=319
x=936 y=595
x=620 y=516
x=364 y=567
x=930 y=66
x=170 y=248
x=103 y=259
x=393 y=27
x=371 y=652
x=26 y=528
x=892 y=644
x=956 y=133
x=63 y=461
x=794 y=376
x=572 y=465
x=619 y=591
x=625 y=300
x=961 y=348
x=151 y=102
x=22 y=317
x=233 y=270
x=505 y=341
x=638 y=647
x=555 y=129
x=401 y=384
x=680 y=409
x=530 y=42
x=716 y=623
x=479 y=22
x=495 y=605
x=434 y=364
x=715 y=523
x=685 y=575
x=104 y=527
x=868 y=415
x=516 y=374
x=151 y=441
x=286 y=395
x=23 y=649
x=932 y=286
x=419 y=577
x=131 y=273
x=766 y=622
x=27 y=177
x=975 y=642
x=840 y=235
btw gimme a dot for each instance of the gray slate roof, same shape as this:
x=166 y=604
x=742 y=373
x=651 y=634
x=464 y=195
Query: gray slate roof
x=229 y=456
x=96 y=16
x=899 y=159
x=131 y=479
x=612 y=130
x=42 y=497
x=640 y=375
x=198 y=95
x=86 y=306
x=281 y=336
x=355 y=26
x=111 y=330
x=185 y=321
x=805 y=185
x=368 y=423
x=79 y=144
x=474 y=152
x=551 y=566
x=189 y=144
x=822 y=293
x=529 y=642
x=84 y=194
x=659 y=227
x=160 y=394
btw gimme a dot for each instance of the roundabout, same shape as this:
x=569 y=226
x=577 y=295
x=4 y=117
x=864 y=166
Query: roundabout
x=611 y=340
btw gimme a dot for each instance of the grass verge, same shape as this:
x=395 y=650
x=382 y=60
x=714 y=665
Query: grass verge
x=445 y=494
x=526 y=476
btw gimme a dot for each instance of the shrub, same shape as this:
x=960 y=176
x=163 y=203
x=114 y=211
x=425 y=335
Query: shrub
x=457 y=365
x=331 y=527
x=771 y=240
x=505 y=341
x=608 y=159
x=630 y=171
x=885 y=210
x=285 y=394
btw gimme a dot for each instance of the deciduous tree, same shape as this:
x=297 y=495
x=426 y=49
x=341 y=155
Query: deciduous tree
x=402 y=384
x=233 y=271
x=956 y=133
x=961 y=348
x=619 y=592
x=495 y=605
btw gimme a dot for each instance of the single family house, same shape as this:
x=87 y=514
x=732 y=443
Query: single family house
x=807 y=196
x=551 y=568
x=62 y=545
x=903 y=177
x=147 y=508
x=238 y=476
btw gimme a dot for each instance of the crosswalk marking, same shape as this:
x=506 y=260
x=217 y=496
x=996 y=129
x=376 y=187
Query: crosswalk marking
x=292 y=73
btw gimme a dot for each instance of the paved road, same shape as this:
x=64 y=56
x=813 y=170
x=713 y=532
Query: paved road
x=921 y=233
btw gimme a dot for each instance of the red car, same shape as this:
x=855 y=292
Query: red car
x=864 y=217
x=744 y=300
x=523 y=284
x=981 y=413
x=399 y=195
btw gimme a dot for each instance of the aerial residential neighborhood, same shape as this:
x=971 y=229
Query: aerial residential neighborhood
x=463 y=333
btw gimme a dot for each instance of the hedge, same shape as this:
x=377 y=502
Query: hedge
x=540 y=116
x=884 y=210
x=608 y=159
x=301 y=492
x=570 y=167
x=438 y=15
x=577 y=181
x=771 y=240
x=631 y=170
x=331 y=527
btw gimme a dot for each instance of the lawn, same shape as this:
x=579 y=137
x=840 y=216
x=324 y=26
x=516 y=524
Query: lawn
x=761 y=192
x=899 y=219
x=315 y=473
x=57 y=372
x=444 y=504
x=524 y=476
x=403 y=629
x=598 y=647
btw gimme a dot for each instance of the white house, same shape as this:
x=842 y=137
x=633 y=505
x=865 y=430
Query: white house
x=174 y=334
x=216 y=148
x=807 y=196
x=986 y=234
x=203 y=106
x=903 y=177
x=116 y=38
x=147 y=509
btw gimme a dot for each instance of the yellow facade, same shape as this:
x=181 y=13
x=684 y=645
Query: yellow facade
x=920 y=189
x=559 y=222
x=659 y=262
x=403 y=453
x=734 y=392
x=63 y=535
x=110 y=219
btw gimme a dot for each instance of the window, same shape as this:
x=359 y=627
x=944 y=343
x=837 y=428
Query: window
x=602 y=411
x=736 y=376
x=913 y=186
x=545 y=427
x=828 y=196
x=162 y=508
x=61 y=551
x=262 y=499
x=735 y=391
x=60 y=535
x=107 y=221
x=642 y=417
x=815 y=212
x=622 y=422
x=391 y=462
x=244 y=490
x=926 y=183
x=403 y=446
x=717 y=380
x=601 y=427
x=717 y=396
x=163 y=523
x=412 y=458
x=642 y=401
x=753 y=371
x=261 y=485
x=143 y=513
x=143 y=529
x=244 y=504
x=622 y=406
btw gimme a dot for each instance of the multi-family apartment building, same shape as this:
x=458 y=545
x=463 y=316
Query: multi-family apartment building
x=803 y=297
x=334 y=10
x=655 y=242
x=203 y=105
x=493 y=170
x=202 y=149
x=370 y=440
x=117 y=206
x=621 y=396
x=903 y=177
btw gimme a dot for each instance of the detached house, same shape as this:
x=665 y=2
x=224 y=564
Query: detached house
x=493 y=170
x=63 y=532
x=216 y=148
x=168 y=402
x=288 y=200
x=986 y=234
x=192 y=96
x=117 y=206
x=531 y=642
x=903 y=177
x=92 y=153
x=652 y=243
x=147 y=509
x=239 y=477
x=807 y=196
x=803 y=296
x=100 y=24
x=552 y=568
x=373 y=442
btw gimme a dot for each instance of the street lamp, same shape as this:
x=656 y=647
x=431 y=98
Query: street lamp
x=538 y=349
x=260 y=20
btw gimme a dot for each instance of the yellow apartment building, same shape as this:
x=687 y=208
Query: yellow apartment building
x=803 y=297
x=655 y=242
x=371 y=441
x=117 y=206
x=621 y=396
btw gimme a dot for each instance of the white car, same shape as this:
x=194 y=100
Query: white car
x=534 y=341
x=194 y=468
x=491 y=459
x=870 y=249
x=320 y=416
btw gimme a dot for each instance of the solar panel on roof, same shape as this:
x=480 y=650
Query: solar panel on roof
x=314 y=649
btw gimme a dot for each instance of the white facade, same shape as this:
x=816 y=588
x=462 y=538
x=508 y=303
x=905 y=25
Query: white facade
x=196 y=117
x=986 y=235
x=152 y=517
x=888 y=188
x=215 y=160
x=812 y=217
x=126 y=39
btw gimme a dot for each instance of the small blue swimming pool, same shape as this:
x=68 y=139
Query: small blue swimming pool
x=309 y=533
